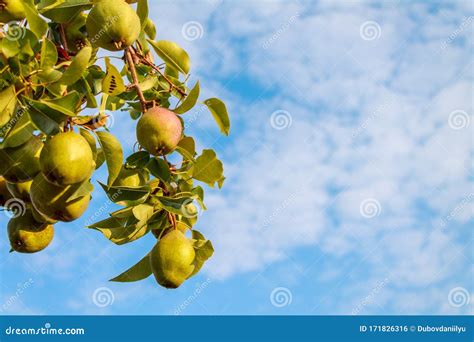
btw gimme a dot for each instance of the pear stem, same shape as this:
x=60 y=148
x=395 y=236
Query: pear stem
x=133 y=71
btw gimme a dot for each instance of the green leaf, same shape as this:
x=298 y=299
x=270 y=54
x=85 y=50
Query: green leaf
x=159 y=168
x=190 y=100
x=142 y=212
x=112 y=83
x=90 y=140
x=85 y=189
x=123 y=235
x=171 y=53
x=63 y=11
x=173 y=205
x=219 y=112
x=188 y=144
x=67 y=105
x=7 y=104
x=77 y=67
x=137 y=160
x=49 y=54
x=21 y=132
x=204 y=250
x=37 y=25
x=125 y=195
x=208 y=168
x=110 y=222
x=48 y=124
x=113 y=154
x=100 y=158
x=142 y=11
x=49 y=75
x=150 y=28
x=139 y=271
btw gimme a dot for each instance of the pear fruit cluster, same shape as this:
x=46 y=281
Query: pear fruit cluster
x=66 y=65
x=38 y=182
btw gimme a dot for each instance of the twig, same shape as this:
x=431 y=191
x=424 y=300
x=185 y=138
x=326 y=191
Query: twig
x=63 y=37
x=172 y=85
x=133 y=71
x=172 y=219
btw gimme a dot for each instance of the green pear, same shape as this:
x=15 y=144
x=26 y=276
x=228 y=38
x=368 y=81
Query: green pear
x=20 y=190
x=27 y=235
x=21 y=163
x=159 y=131
x=172 y=259
x=53 y=201
x=11 y=10
x=5 y=194
x=113 y=25
x=67 y=159
x=131 y=178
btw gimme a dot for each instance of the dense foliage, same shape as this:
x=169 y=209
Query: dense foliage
x=57 y=68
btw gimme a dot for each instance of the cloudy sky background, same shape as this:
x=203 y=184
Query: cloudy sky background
x=349 y=169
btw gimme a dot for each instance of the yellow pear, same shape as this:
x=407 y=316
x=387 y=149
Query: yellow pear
x=21 y=163
x=53 y=202
x=67 y=159
x=159 y=131
x=27 y=235
x=113 y=25
x=172 y=259
x=11 y=10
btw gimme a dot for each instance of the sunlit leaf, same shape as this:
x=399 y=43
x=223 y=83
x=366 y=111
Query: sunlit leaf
x=113 y=154
x=219 y=112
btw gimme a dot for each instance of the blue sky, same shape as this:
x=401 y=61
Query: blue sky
x=349 y=169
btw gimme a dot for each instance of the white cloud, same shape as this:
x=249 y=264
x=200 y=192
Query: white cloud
x=369 y=121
